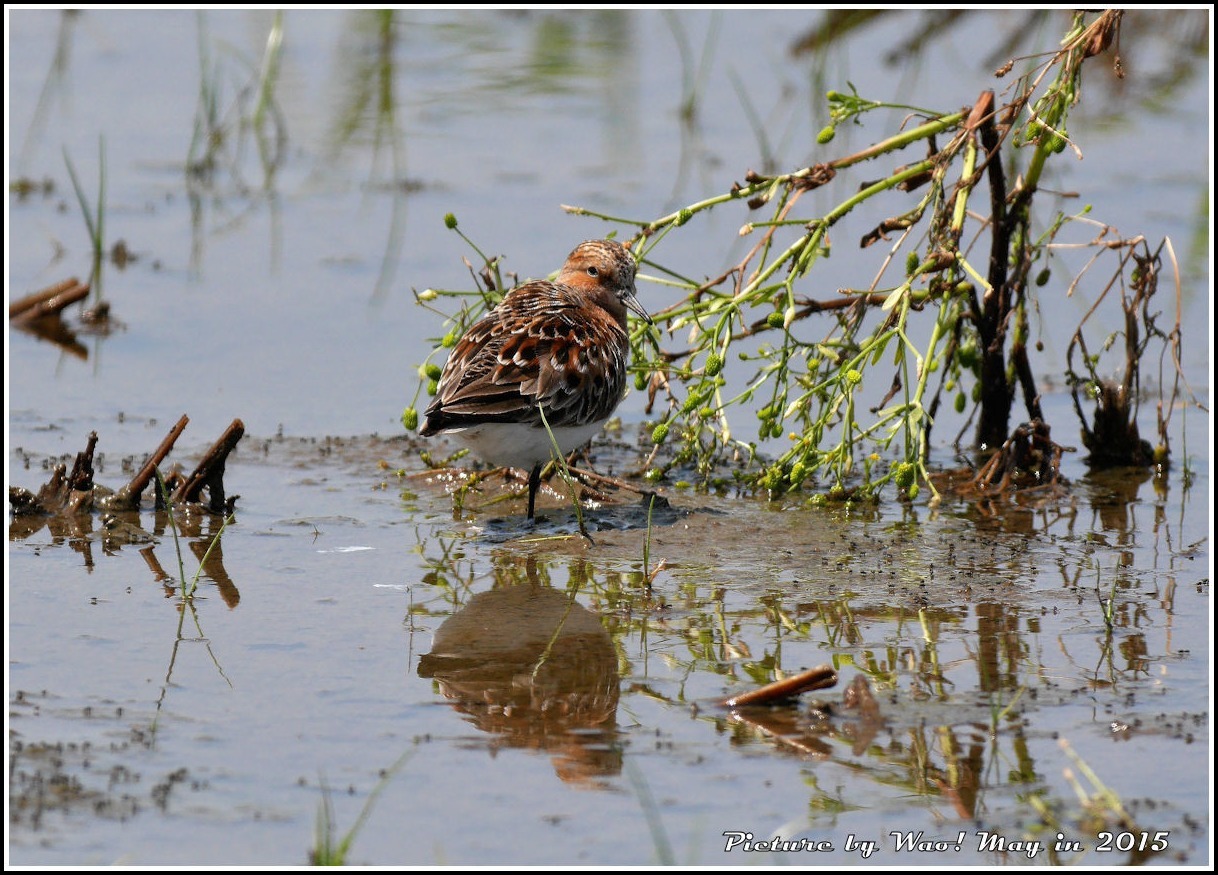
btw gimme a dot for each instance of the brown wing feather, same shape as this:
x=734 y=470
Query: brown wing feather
x=539 y=347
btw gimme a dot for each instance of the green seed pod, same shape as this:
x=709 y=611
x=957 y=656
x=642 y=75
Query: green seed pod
x=1042 y=277
x=911 y=263
x=826 y=135
x=660 y=433
x=774 y=320
x=714 y=364
x=684 y=216
x=961 y=402
x=432 y=371
x=450 y=221
x=967 y=354
x=410 y=418
x=450 y=339
x=433 y=387
x=640 y=381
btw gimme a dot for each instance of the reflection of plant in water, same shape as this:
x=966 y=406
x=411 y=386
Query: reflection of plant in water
x=186 y=591
x=223 y=134
x=650 y=573
x=949 y=670
x=371 y=50
x=1095 y=814
x=451 y=573
x=651 y=813
x=823 y=802
x=188 y=588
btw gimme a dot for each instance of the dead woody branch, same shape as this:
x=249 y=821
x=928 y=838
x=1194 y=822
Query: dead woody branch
x=75 y=493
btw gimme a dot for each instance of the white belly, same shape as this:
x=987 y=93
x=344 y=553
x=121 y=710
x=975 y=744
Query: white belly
x=520 y=445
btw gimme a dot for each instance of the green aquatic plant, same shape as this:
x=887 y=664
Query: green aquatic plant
x=330 y=850
x=93 y=214
x=853 y=383
x=565 y=472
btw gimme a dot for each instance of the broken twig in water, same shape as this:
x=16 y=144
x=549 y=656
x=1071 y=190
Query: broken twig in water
x=50 y=302
x=819 y=678
x=74 y=494
x=210 y=472
x=128 y=498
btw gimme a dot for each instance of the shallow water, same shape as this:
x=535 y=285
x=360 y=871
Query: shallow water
x=495 y=693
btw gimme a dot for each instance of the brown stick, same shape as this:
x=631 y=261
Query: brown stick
x=591 y=477
x=210 y=471
x=48 y=302
x=129 y=496
x=818 y=678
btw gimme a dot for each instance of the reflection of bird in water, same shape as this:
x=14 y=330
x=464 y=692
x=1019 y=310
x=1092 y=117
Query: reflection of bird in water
x=533 y=666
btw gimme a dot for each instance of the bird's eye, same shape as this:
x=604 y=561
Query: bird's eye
x=592 y=271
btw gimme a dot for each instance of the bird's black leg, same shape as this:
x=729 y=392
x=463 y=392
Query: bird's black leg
x=534 y=483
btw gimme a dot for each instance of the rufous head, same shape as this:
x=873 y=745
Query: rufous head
x=604 y=271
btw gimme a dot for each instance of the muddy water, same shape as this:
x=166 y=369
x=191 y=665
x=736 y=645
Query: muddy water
x=1028 y=682
x=520 y=694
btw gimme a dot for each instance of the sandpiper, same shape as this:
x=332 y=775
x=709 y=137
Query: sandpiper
x=560 y=348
